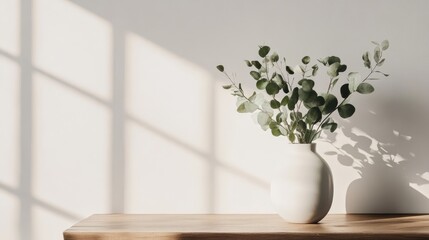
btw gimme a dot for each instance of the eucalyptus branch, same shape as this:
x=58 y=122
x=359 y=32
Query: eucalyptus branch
x=303 y=125
x=230 y=79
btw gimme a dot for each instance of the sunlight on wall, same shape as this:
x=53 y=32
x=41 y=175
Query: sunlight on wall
x=74 y=45
x=168 y=102
x=9 y=26
x=422 y=188
x=9 y=154
x=71 y=149
x=162 y=177
x=9 y=124
x=167 y=92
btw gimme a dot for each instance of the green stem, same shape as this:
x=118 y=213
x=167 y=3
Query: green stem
x=304 y=71
x=232 y=82
x=329 y=86
x=372 y=71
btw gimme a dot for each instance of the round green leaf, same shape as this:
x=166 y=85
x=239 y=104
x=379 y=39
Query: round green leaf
x=220 y=68
x=278 y=79
x=315 y=68
x=262 y=84
x=314 y=115
x=293 y=99
x=274 y=57
x=307 y=84
x=323 y=61
x=247 y=107
x=333 y=127
x=227 y=86
x=320 y=101
x=276 y=132
x=285 y=101
x=291 y=137
x=273 y=124
x=250 y=107
x=289 y=70
x=384 y=45
x=241 y=108
x=345 y=91
x=333 y=59
x=314 y=102
x=285 y=88
x=272 y=88
x=263 y=51
x=274 y=104
x=257 y=64
x=301 y=126
x=255 y=75
x=303 y=95
x=342 y=68
x=306 y=60
x=307 y=96
x=248 y=63
x=353 y=78
x=330 y=105
x=263 y=118
x=365 y=88
x=377 y=54
x=346 y=110
x=366 y=60
x=279 y=117
x=333 y=69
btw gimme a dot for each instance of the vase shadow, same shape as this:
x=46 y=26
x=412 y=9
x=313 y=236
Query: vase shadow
x=388 y=159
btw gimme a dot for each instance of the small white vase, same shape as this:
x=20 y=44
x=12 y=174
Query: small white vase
x=302 y=187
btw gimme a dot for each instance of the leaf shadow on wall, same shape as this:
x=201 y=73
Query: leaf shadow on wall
x=388 y=163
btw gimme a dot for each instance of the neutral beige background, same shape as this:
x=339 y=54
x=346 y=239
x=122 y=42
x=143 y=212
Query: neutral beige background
x=115 y=106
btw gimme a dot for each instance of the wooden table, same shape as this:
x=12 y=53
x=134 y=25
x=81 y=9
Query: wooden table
x=247 y=226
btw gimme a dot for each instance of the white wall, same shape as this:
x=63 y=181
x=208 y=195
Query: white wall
x=115 y=106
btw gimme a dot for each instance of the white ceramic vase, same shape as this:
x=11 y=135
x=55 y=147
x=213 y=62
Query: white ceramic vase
x=302 y=187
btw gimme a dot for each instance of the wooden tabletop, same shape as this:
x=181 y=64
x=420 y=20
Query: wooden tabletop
x=247 y=226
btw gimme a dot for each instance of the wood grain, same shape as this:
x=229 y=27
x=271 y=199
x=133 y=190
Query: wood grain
x=247 y=226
